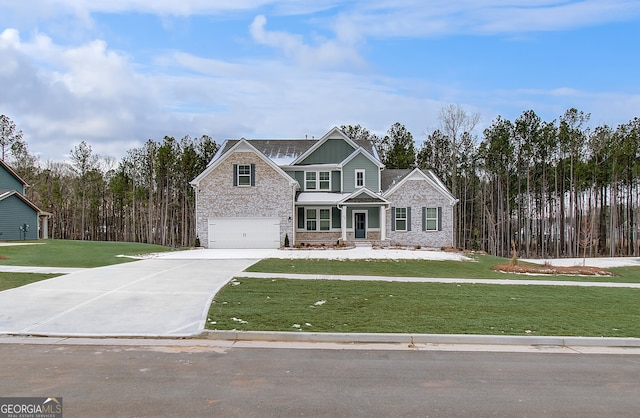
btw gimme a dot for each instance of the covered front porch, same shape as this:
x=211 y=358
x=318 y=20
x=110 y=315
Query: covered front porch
x=341 y=218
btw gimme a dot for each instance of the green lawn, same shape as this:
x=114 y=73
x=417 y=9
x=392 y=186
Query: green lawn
x=11 y=280
x=372 y=306
x=66 y=253
x=480 y=268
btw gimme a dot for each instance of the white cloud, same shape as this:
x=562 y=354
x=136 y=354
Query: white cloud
x=59 y=94
x=326 y=53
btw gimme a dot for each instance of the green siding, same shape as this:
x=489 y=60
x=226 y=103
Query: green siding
x=373 y=216
x=332 y=151
x=298 y=176
x=372 y=174
x=8 y=182
x=14 y=213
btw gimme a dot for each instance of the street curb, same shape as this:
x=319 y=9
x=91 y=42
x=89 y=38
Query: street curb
x=361 y=338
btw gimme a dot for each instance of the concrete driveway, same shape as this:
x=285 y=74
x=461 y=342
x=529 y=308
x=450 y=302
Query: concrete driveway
x=155 y=297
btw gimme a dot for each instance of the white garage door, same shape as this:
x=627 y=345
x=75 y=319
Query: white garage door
x=244 y=232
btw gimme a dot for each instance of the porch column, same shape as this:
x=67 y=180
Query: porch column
x=383 y=223
x=343 y=223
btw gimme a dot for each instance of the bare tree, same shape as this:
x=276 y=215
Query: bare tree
x=455 y=122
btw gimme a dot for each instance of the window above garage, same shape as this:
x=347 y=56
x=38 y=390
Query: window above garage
x=244 y=175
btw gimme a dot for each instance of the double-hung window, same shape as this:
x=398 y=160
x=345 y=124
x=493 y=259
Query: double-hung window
x=317 y=180
x=324 y=180
x=401 y=219
x=310 y=180
x=312 y=219
x=325 y=219
x=318 y=219
x=431 y=219
x=359 y=178
x=244 y=175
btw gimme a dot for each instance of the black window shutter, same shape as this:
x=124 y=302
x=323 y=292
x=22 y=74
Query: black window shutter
x=409 y=218
x=439 y=218
x=424 y=218
x=393 y=218
x=235 y=174
x=253 y=174
x=300 y=218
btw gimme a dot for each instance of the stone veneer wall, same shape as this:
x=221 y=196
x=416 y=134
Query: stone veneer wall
x=418 y=196
x=272 y=196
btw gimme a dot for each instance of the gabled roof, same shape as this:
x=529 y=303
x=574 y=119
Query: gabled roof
x=361 y=151
x=12 y=172
x=240 y=145
x=332 y=133
x=394 y=179
x=7 y=194
x=363 y=196
x=390 y=176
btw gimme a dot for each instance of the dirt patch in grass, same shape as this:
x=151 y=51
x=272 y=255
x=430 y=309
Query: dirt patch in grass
x=547 y=269
x=3 y=257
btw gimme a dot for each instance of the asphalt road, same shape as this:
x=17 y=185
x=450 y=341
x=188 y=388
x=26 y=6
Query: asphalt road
x=198 y=381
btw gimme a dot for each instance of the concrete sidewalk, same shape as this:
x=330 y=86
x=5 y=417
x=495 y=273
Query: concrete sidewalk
x=436 y=280
x=43 y=270
x=143 y=298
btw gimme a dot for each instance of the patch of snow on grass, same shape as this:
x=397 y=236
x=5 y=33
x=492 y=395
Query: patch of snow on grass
x=242 y=321
x=320 y=303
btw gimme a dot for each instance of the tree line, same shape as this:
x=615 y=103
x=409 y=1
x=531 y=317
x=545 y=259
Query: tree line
x=145 y=197
x=550 y=188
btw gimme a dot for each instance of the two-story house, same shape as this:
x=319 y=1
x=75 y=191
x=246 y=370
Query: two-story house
x=19 y=217
x=256 y=193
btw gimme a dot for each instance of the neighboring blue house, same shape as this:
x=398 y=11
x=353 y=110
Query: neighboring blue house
x=19 y=217
x=255 y=193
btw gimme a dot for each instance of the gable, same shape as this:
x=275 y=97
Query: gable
x=331 y=151
x=241 y=153
x=363 y=196
x=421 y=184
x=9 y=179
x=359 y=162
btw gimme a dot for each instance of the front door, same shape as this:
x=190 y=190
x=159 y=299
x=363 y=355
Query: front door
x=361 y=225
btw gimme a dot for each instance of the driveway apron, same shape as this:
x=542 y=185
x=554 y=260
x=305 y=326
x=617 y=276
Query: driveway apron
x=156 y=297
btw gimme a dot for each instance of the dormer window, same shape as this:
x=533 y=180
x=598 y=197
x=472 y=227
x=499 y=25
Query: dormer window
x=360 y=178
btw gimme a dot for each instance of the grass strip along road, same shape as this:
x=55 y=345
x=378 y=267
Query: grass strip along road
x=426 y=308
x=431 y=308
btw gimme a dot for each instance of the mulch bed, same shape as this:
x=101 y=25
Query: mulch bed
x=547 y=269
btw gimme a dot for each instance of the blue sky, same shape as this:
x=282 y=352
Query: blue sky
x=118 y=72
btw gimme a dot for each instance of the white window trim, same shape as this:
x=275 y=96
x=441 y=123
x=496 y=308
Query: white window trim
x=317 y=219
x=405 y=219
x=239 y=176
x=427 y=219
x=364 y=181
x=317 y=180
